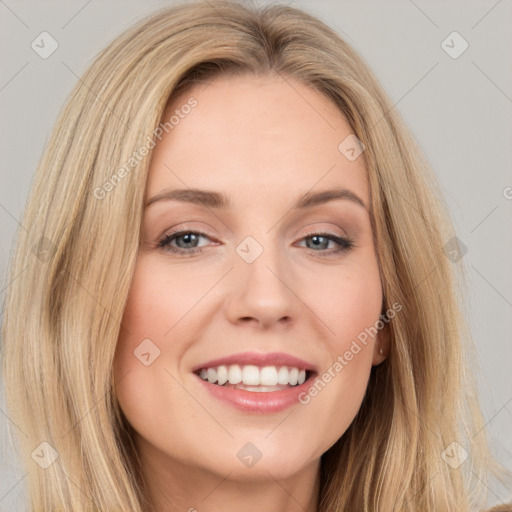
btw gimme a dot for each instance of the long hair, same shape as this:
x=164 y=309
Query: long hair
x=72 y=270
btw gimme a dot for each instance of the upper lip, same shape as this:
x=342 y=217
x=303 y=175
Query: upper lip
x=258 y=359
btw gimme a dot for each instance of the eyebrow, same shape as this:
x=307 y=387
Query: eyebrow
x=218 y=200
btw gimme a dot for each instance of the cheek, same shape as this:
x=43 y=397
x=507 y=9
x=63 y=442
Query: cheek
x=158 y=299
x=161 y=306
x=159 y=323
x=143 y=353
x=349 y=305
x=149 y=348
x=335 y=396
x=348 y=302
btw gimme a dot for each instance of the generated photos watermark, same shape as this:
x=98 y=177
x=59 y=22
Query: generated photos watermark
x=344 y=359
x=150 y=142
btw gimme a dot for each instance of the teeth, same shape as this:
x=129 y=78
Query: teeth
x=268 y=378
x=234 y=374
x=222 y=375
x=251 y=375
x=282 y=375
x=212 y=375
x=260 y=388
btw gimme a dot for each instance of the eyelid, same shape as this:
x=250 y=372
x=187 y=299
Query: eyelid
x=322 y=228
x=186 y=228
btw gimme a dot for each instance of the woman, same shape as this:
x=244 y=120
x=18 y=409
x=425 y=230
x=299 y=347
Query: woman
x=238 y=290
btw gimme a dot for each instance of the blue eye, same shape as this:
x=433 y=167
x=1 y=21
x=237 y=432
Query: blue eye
x=186 y=242
x=320 y=241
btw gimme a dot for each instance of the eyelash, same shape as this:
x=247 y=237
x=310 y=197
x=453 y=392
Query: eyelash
x=344 y=244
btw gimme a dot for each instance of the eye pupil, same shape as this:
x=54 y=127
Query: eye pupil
x=188 y=238
x=319 y=241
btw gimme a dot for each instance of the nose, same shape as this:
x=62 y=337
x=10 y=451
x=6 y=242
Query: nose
x=261 y=292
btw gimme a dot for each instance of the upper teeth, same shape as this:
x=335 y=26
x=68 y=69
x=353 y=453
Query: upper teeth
x=251 y=375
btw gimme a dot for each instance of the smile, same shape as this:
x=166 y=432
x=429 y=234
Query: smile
x=254 y=382
x=253 y=378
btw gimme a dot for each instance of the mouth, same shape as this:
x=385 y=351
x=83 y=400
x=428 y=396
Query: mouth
x=253 y=378
x=257 y=383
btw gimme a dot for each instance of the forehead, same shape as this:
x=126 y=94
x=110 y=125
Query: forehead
x=267 y=135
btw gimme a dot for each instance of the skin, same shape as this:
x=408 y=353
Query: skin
x=263 y=143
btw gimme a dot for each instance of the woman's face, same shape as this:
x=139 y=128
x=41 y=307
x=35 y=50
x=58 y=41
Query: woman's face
x=274 y=268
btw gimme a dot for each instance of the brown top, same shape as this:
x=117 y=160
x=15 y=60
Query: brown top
x=505 y=507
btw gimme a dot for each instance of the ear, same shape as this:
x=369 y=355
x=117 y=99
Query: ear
x=381 y=345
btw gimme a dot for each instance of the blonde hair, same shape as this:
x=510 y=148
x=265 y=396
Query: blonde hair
x=72 y=271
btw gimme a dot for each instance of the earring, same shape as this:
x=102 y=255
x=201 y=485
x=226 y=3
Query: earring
x=381 y=351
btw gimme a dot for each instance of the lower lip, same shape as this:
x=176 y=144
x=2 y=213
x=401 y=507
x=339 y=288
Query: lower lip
x=261 y=402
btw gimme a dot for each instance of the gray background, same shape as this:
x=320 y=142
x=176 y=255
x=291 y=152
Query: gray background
x=459 y=110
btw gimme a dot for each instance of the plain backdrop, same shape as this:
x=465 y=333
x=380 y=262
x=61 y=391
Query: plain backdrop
x=459 y=107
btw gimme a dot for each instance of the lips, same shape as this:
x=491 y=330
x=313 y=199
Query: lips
x=254 y=382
